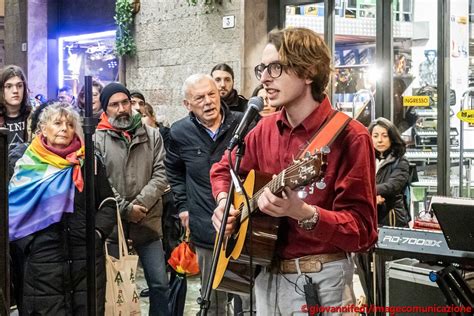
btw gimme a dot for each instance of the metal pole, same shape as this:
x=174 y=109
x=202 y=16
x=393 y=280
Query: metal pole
x=465 y=98
x=384 y=59
x=89 y=128
x=329 y=38
x=5 y=251
x=444 y=164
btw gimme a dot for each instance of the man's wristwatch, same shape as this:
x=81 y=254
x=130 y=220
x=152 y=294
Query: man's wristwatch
x=310 y=223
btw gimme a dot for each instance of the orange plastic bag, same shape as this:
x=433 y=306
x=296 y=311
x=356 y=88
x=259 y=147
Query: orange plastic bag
x=183 y=259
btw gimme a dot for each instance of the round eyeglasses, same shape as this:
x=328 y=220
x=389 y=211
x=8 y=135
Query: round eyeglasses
x=274 y=70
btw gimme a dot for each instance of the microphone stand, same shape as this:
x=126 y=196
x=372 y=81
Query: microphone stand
x=89 y=129
x=204 y=301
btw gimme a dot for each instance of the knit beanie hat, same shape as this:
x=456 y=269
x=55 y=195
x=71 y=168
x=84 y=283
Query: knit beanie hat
x=109 y=90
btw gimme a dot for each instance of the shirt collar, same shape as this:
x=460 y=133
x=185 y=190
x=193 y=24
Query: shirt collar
x=212 y=134
x=311 y=123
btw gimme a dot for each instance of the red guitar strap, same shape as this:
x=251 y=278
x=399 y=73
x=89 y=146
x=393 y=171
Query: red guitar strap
x=326 y=135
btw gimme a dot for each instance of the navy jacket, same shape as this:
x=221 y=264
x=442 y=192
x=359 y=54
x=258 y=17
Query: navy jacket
x=190 y=155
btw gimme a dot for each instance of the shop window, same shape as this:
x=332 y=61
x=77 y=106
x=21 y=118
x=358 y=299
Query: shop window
x=87 y=55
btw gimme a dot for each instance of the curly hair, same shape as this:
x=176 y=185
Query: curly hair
x=304 y=52
x=57 y=108
x=398 y=146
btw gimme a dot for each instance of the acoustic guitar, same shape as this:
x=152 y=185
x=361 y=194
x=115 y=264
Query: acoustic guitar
x=233 y=271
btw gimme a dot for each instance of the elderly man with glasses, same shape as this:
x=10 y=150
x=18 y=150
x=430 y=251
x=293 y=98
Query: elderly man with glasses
x=318 y=232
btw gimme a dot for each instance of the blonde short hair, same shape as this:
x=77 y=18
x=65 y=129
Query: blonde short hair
x=61 y=109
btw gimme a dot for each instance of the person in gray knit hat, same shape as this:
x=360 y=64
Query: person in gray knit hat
x=133 y=154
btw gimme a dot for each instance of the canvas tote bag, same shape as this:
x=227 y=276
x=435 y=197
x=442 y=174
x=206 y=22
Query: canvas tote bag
x=121 y=297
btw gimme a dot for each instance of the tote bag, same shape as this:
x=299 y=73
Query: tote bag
x=121 y=297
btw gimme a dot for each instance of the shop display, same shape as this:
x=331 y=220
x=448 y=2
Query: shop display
x=87 y=54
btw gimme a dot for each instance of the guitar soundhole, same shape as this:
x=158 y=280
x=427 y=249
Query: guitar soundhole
x=230 y=244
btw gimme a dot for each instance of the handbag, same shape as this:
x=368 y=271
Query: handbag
x=121 y=297
x=183 y=259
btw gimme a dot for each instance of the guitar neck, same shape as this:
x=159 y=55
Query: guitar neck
x=276 y=186
x=301 y=173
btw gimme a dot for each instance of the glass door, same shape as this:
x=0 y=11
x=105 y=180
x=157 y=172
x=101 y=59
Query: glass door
x=354 y=54
x=415 y=80
x=354 y=60
x=309 y=14
x=462 y=84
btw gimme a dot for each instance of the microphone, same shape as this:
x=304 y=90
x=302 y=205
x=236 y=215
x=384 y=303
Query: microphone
x=254 y=106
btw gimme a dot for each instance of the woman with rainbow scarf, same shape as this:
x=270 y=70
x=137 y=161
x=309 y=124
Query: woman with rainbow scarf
x=48 y=217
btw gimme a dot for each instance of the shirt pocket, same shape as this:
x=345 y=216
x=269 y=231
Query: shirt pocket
x=194 y=154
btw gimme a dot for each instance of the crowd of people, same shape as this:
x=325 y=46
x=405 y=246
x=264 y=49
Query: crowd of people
x=139 y=160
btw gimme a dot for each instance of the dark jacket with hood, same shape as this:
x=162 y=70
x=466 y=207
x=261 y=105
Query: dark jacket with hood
x=190 y=155
x=392 y=177
x=55 y=268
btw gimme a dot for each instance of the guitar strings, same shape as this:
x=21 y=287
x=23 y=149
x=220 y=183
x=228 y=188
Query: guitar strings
x=274 y=182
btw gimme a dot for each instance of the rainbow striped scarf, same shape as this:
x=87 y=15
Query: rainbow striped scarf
x=42 y=189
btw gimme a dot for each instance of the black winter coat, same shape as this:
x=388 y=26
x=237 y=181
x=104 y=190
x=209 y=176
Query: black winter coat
x=55 y=268
x=391 y=179
x=189 y=158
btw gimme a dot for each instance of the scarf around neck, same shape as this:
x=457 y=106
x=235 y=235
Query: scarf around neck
x=42 y=188
x=231 y=99
x=126 y=134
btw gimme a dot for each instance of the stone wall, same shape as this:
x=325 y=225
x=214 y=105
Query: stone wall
x=175 y=40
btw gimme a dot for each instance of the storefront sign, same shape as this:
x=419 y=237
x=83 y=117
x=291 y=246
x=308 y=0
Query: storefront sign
x=416 y=100
x=466 y=116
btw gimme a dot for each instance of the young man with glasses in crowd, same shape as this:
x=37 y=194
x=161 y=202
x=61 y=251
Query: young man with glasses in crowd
x=15 y=115
x=319 y=232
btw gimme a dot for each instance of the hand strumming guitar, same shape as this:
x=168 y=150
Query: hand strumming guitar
x=288 y=205
x=219 y=212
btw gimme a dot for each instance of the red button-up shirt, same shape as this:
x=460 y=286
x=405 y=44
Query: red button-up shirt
x=347 y=220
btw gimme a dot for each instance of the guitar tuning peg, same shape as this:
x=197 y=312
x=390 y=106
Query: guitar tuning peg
x=325 y=150
x=321 y=185
x=302 y=193
x=307 y=154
